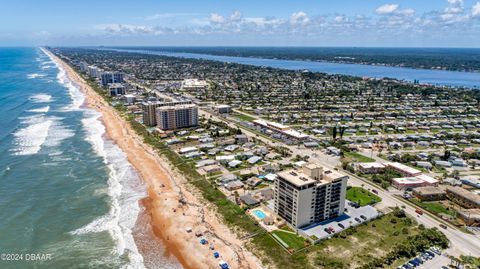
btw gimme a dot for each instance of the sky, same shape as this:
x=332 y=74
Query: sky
x=359 y=23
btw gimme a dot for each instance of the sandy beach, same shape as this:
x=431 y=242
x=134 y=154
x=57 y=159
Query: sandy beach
x=166 y=187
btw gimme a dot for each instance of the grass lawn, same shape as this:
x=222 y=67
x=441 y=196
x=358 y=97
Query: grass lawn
x=293 y=241
x=434 y=207
x=362 y=196
x=363 y=243
x=357 y=157
x=244 y=117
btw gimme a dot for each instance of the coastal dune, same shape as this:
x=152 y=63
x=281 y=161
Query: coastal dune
x=166 y=188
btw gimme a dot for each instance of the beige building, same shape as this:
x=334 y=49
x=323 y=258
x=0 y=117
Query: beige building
x=309 y=195
x=176 y=117
x=463 y=197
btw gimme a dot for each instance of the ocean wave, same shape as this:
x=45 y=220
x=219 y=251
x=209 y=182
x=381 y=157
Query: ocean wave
x=124 y=189
x=29 y=140
x=75 y=94
x=44 y=109
x=36 y=75
x=58 y=132
x=41 y=98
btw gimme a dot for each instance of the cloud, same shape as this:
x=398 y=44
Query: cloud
x=128 y=29
x=299 y=18
x=386 y=9
x=216 y=18
x=476 y=10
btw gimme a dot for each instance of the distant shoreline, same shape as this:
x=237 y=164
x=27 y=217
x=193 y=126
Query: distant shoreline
x=435 y=59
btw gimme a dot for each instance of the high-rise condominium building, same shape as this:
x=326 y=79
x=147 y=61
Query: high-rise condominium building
x=111 y=77
x=309 y=195
x=149 y=114
x=176 y=117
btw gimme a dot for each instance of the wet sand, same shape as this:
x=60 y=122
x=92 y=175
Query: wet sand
x=166 y=187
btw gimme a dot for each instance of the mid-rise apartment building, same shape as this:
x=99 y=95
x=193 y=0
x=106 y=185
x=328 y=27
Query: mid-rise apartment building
x=176 y=117
x=309 y=195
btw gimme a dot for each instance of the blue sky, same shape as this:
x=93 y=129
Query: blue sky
x=406 y=23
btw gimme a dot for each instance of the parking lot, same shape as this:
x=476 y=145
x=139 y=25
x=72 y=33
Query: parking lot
x=426 y=261
x=352 y=217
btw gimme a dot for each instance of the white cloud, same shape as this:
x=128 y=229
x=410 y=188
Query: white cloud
x=216 y=18
x=236 y=16
x=127 y=29
x=299 y=18
x=386 y=9
x=476 y=10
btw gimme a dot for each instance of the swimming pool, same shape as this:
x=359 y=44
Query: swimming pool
x=259 y=214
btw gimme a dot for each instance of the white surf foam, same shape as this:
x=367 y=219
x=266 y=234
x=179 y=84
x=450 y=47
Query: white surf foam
x=36 y=75
x=29 y=140
x=75 y=94
x=41 y=98
x=57 y=133
x=124 y=189
x=44 y=109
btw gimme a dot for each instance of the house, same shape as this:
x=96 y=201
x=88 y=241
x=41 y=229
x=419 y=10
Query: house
x=266 y=194
x=443 y=164
x=210 y=169
x=253 y=181
x=227 y=178
x=231 y=148
x=426 y=165
x=234 y=163
x=241 y=139
x=187 y=150
x=203 y=163
x=270 y=177
x=254 y=160
x=248 y=200
x=311 y=144
x=233 y=185
x=334 y=151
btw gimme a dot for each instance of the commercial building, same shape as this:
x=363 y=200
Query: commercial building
x=463 y=197
x=194 y=84
x=471 y=217
x=223 y=109
x=309 y=195
x=429 y=193
x=371 y=168
x=421 y=180
x=282 y=129
x=111 y=77
x=405 y=170
x=176 y=117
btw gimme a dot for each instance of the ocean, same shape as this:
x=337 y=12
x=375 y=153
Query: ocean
x=65 y=189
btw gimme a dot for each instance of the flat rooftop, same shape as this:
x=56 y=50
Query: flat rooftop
x=298 y=178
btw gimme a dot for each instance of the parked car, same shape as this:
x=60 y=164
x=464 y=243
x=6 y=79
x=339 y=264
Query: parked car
x=341 y=225
x=358 y=220
x=363 y=217
x=419 y=212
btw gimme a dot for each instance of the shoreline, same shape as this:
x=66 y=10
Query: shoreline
x=165 y=187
